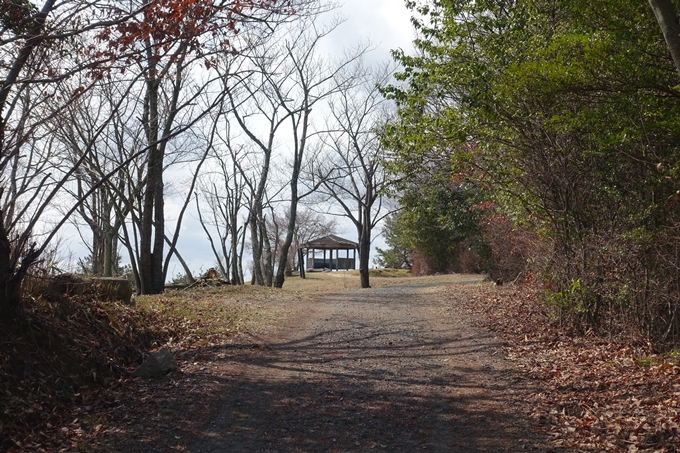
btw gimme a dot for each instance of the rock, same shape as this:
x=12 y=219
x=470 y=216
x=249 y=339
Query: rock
x=112 y=288
x=69 y=284
x=102 y=288
x=158 y=364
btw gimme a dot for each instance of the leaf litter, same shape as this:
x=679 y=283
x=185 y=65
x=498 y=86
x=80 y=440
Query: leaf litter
x=597 y=394
x=65 y=364
x=65 y=367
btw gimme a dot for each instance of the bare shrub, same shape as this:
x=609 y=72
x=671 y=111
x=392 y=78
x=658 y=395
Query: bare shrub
x=620 y=285
x=468 y=261
x=420 y=264
x=512 y=251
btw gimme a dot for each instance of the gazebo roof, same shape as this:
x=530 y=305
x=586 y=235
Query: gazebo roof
x=330 y=242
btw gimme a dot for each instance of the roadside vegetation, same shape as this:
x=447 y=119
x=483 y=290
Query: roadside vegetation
x=69 y=353
x=615 y=393
x=540 y=137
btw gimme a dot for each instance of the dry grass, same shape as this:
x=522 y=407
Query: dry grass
x=204 y=314
x=322 y=282
x=214 y=313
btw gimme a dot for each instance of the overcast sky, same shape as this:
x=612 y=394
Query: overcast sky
x=386 y=23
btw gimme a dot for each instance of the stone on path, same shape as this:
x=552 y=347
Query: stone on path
x=156 y=365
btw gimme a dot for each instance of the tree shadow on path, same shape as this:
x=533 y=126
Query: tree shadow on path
x=366 y=371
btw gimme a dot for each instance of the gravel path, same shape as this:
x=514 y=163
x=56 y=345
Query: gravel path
x=389 y=369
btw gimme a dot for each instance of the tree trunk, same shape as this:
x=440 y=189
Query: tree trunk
x=173 y=251
x=285 y=247
x=12 y=76
x=667 y=18
x=109 y=253
x=283 y=263
x=364 y=251
x=257 y=249
x=235 y=278
x=152 y=221
x=256 y=221
x=294 y=199
x=240 y=258
x=267 y=259
x=11 y=275
x=9 y=285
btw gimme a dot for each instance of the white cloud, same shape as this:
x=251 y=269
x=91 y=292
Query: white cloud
x=385 y=22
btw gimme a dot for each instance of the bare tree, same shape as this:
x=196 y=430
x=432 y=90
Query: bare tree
x=169 y=40
x=286 y=82
x=36 y=83
x=309 y=225
x=105 y=210
x=251 y=104
x=35 y=86
x=354 y=177
x=224 y=193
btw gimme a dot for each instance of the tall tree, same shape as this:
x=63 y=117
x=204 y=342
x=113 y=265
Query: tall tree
x=40 y=51
x=564 y=110
x=312 y=81
x=353 y=175
x=278 y=86
x=667 y=17
x=223 y=191
x=107 y=207
x=170 y=39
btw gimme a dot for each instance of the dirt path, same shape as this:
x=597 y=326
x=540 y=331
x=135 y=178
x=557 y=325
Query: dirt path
x=388 y=369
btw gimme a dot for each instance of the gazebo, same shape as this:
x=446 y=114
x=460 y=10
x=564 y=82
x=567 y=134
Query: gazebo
x=327 y=245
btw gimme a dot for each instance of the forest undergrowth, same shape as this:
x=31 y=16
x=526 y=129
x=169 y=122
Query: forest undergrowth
x=64 y=362
x=614 y=394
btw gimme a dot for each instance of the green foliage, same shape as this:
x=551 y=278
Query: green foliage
x=438 y=220
x=434 y=221
x=534 y=95
x=397 y=256
x=87 y=266
x=392 y=258
x=644 y=362
x=571 y=298
x=17 y=15
x=180 y=278
x=565 y=113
